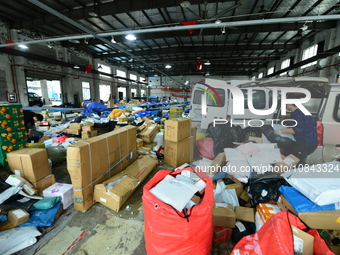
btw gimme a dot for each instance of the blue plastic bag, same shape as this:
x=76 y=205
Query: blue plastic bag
x=42 y=218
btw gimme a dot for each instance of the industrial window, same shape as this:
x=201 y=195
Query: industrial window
x=86 y=90
x=142 y=79
x=260 y=75
x=104 y=69
x=285 y=64
x=121 y=73
x=258 y=98
x=270 y=70
x=133 y=77
x=143 y=93
x=308 y=53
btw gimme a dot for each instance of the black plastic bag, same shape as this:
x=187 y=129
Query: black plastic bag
x=241 y=229
x=224 y=136
x=265 y=189
x=105 y=127
x=35 y=135
x=282 y=142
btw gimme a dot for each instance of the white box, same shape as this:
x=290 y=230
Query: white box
x=63 y=190
x=15 y=181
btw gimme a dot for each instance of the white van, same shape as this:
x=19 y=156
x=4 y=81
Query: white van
x=324 y=107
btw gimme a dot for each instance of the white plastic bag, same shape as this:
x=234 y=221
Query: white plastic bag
x=159 y=139
x=16 y=239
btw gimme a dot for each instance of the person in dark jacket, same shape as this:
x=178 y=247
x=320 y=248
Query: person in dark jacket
x=30 y=118
x=304 y=133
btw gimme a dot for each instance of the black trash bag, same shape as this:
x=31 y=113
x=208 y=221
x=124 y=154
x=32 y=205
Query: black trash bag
x=224 y=136
x=282 y=142
x=241 y=229
x=35 y=135
x=264 y=190
x=105 y=127
x=17 y=202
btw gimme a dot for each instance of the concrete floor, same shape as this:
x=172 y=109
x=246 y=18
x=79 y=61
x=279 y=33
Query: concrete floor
x=99 y=230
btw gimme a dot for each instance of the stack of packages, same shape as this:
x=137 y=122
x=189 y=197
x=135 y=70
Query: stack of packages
x=32 y=197
x=146 y=135
x=177 y=142
x=105 y=168
x=13 y=132
x=88 y=131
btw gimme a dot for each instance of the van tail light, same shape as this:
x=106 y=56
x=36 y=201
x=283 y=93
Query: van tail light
x=319 y=131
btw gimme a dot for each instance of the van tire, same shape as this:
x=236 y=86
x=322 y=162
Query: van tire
x=256 y=132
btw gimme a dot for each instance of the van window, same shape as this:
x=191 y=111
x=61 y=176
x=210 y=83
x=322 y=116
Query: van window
x=336 y=113
x=210 y=102
x=259 y=99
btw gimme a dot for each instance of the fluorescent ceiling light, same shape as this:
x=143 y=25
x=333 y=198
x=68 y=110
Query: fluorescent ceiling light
x=22 y=46
x=74 y=41
x=113 y=40
x=207 y=63
x=168 y=66
x=130 y=37
x=76 y=67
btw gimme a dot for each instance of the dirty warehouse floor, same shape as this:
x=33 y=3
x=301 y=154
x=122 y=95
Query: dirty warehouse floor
x=99 y=230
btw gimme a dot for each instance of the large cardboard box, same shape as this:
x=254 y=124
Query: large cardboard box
x=177 y=129
x=245 y=214
x=62 y=190
x=224 y=216
x=303 y=242
x=149 y=133
x=18 y=216
x=319 y=220
x=221 y=235
x=193 y=143
x=97 y=159
x=127 y=182
x=177 y=153
x=29 y=163
x=44 y=183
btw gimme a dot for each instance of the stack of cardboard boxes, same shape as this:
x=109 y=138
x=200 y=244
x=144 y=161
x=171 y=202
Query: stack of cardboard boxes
x=147 y=132
x=88 y=131
x=32 y=164
x=177 y=141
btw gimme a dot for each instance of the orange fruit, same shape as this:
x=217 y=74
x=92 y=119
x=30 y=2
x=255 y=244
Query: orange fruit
x=3 y=109
x=8 y=116
x=10 y=135
x=5 y=123
x=9 y=129
x=3 y=134
x=14 y=140
x=21 y=110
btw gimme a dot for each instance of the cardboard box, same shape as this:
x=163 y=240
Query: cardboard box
x=63 y=190
x=196 y=199
x=217 y=164
x=303 y=242
x=85 y=134
x=6 y=225
x=177 y=153
x=139 y=142
x=221 y=235
x=44 y=183
x=255 y=139
x=145 y=124
x=94 y=133
x=245 y=214
x=238 y=188
x=143 y=150
x=29 y=163
x=97 y=159
x=89 y=124
x=244 y=196
x=176 y=130
x=18 y=216
x=129 y=180
x=57 y=118
x=319 y=220
x=149 y=133
x=223 y=216
x=192 y=147
x=286 y=164
x=149 y=145
x=72 y=139
x=73 y=131
x=76 y=126
x=88 y=128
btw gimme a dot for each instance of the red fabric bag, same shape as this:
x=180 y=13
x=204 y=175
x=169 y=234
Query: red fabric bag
x=167 y=231
x=205 y=147
x=275 y=237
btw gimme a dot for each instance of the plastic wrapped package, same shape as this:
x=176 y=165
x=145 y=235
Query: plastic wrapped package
x=16 y=239
x=57 y=154
x=205 y=148
x=159 y=139
x=170 y=232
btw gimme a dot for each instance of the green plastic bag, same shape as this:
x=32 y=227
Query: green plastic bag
x=46 y=203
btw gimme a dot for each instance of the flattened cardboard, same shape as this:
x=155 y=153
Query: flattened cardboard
x=286 y=164
x=319 y=220
x=245 y=214
x=98 y=158
x=30 y=163
x=177 y=129
x=132 y=177
x=76 y=126
x=177 y=153
x=149 y=133
x=303 y=242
